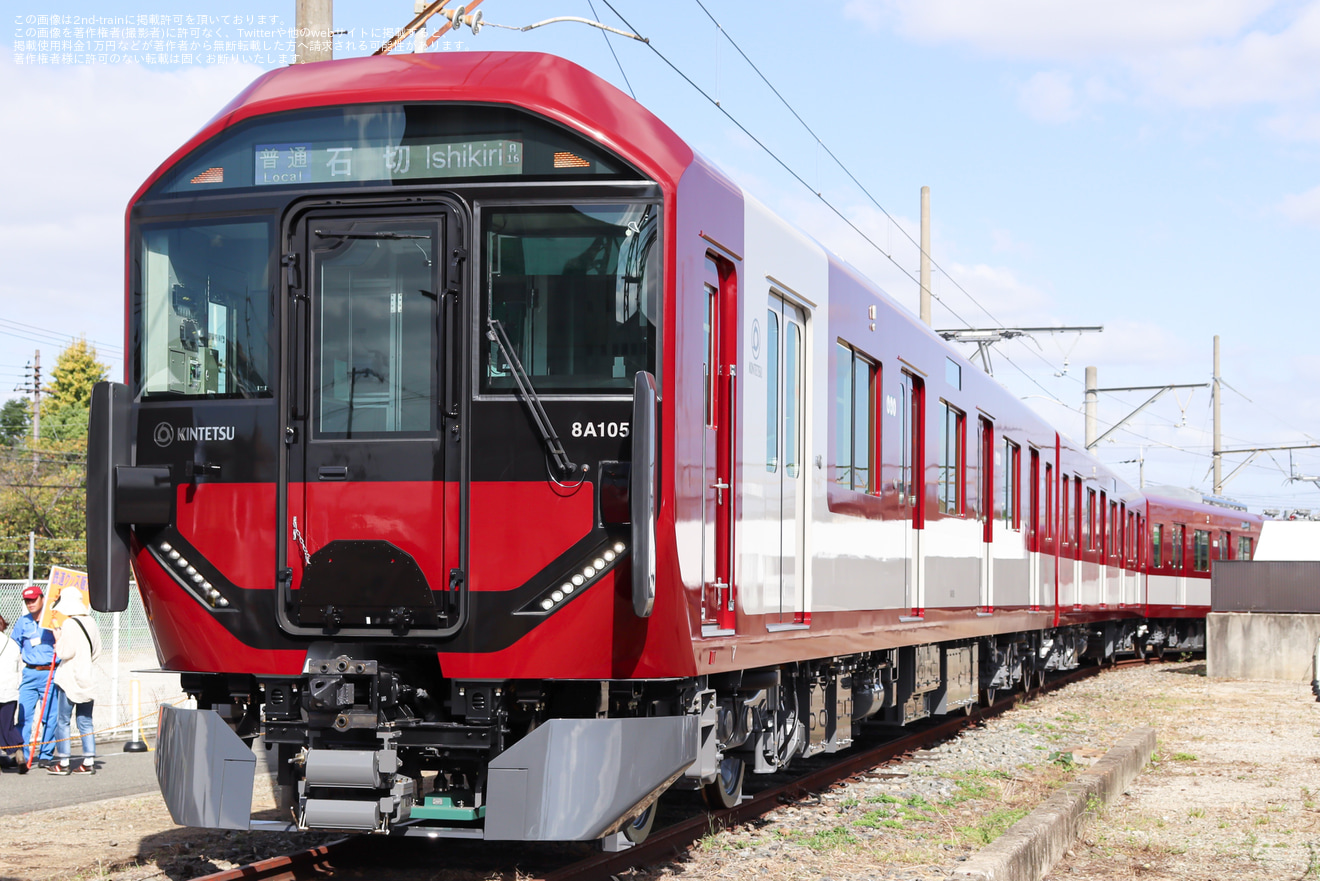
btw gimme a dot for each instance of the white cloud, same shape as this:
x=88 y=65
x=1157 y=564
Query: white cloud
x=1184 y=52
x=1302 y=207
x=1048 y=96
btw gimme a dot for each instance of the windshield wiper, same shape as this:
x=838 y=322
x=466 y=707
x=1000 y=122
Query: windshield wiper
x=495 y=333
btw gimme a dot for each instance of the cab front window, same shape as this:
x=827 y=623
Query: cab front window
x=576 y=289
x=202 y=302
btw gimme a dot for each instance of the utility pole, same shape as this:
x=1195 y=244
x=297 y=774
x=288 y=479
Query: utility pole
x=925 y=256
x=1219 y=440
x=32 y=386
x=36 y=395
x=313 y=28
x=1091 y=398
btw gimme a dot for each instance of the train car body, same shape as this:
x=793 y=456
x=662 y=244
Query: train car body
x=502 y=464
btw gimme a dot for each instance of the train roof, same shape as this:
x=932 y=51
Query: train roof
x=553 y=87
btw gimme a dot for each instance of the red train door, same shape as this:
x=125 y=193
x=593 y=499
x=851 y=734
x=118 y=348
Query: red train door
x=987 y=513
x=912 y=487
x=720 y=356
x=368 y=539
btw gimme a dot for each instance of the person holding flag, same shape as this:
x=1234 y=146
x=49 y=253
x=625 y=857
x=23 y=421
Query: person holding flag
x=37 y=693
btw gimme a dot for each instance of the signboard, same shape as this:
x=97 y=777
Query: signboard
x=62 y=579
x=294 y=163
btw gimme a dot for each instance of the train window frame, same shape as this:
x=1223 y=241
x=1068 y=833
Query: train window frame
x=852 y=428
x=1200 y=550
x=1090 y=533
x=1225 y=544
x=653 y=294
x=1178 y=537
x=141 y=335
x=1012 y=508
x=1048 y=509
x=379 y=345
x=1157 y=546
x=951 y=496
x=1245 y=547
x=710 y=328
x=1065 y=510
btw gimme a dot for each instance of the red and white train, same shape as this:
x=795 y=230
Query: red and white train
x=502 y=464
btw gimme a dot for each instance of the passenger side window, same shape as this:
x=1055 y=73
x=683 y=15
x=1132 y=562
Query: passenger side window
x=952 y=428
x=854 y=419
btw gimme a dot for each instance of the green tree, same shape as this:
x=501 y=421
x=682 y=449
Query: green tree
x=15 y=421
x=43 y=481
x=76 y=371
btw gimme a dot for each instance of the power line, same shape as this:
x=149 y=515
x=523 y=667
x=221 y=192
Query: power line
x=844 y=168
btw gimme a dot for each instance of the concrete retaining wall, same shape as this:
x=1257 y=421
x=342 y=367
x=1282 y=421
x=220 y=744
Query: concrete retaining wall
x=1261 y=645
x=1028 y=850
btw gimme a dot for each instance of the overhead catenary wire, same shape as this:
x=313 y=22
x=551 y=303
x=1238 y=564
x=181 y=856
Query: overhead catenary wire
x=606 y=36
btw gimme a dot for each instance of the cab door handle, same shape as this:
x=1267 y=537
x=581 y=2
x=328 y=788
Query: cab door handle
x=333 y=472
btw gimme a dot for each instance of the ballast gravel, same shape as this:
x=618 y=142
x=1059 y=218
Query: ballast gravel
x=1232 y=791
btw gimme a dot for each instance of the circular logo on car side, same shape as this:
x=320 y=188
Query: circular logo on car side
x=164 y=434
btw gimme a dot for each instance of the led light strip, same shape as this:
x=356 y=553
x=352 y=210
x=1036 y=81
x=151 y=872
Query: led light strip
x=189 y=573
x=581 y=579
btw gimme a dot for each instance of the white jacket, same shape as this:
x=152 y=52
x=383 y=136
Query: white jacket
x=76 y=651
x=11 y=668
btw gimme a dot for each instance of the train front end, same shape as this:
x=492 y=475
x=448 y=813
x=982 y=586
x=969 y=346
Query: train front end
x=386 y=460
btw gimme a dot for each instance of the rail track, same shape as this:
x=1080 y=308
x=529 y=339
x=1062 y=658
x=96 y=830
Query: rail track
x=376 y=856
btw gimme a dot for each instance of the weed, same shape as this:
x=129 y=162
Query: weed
x=1196 y=813
x=830 y=839
x=1064 y=760
x=1184 y=757
x=991 y=826
x=1312 y=858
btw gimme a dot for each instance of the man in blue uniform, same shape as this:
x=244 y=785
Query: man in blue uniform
x=37 y=646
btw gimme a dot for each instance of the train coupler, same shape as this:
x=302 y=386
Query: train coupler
x=354 y=789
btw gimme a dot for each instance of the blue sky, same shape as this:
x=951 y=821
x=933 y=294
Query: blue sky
x=1150 y=167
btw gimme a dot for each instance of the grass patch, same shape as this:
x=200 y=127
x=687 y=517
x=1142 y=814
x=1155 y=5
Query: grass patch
x=1184 y=757
x=829 y=839
x=990 y=827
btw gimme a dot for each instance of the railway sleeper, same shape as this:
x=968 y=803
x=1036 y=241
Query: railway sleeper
x=381 y=744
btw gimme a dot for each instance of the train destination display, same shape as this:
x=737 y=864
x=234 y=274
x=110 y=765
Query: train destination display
x=284 y=164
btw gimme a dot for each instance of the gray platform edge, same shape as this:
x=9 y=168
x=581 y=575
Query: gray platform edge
x=1028 y=850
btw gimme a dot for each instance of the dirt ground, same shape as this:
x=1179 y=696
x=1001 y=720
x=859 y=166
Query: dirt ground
x=1234 y=791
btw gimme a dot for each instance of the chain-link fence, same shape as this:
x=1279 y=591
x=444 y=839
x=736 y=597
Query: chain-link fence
x=128 y=655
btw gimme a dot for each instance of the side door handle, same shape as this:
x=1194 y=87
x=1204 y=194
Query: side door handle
x=332 y=472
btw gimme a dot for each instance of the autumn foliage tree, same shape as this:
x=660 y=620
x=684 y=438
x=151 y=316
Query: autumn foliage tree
x=43 y=480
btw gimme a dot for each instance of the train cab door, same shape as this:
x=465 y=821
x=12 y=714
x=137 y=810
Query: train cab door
x=786 y=501
x=369 y=495
x=720 y=357
x=912 y=488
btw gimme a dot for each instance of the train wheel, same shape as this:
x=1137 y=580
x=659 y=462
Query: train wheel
x=638 y=829
x=988 y=696
x=726 y=790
